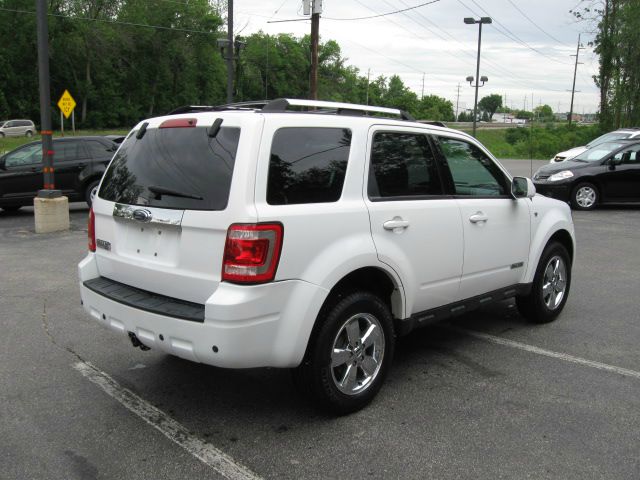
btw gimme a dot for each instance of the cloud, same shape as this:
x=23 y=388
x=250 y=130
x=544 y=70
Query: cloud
x=519 y=58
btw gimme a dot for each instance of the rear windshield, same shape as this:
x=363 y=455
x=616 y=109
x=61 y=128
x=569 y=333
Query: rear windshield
x=181 y=168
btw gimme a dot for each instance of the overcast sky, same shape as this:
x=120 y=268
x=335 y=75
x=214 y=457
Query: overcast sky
x=521 y=56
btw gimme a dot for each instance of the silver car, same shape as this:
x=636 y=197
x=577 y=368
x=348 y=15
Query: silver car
x=17 y=128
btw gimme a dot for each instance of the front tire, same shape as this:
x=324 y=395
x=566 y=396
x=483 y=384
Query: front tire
x=349 y=355
x=585 y=196
x=550 y=287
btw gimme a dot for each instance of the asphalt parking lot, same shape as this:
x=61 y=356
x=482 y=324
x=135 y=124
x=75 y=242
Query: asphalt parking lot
x=485 y=396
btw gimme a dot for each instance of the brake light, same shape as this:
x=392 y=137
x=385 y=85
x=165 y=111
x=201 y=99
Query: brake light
x=252 y=252
x=179 y=123
x=91 y=231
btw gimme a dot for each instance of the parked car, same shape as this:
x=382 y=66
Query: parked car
x=79 y=163
x=263 y=237
x=17 y=128
x=621 y=134
x=606 y=173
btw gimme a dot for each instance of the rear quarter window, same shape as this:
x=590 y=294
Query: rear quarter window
x=307 y=165
x=178 y=168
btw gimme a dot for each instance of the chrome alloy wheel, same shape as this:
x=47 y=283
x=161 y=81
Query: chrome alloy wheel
x=358 y=350
x=586 y=197
x=554 y=282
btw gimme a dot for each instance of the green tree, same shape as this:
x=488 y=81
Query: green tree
x=432 y=107
x=544 y=113
x=490 y=104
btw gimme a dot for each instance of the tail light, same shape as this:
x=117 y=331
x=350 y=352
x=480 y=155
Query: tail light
x=91 y=231
x=251 y=252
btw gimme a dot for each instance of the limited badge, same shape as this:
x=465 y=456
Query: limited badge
x=103 y=244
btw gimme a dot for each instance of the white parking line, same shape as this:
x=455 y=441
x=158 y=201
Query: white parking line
x=547 y=353
x=174 y=431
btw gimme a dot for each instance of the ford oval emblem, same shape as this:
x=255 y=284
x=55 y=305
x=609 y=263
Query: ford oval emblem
x=142 y=215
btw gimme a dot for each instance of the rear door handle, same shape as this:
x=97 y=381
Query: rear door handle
x=397 y=224
x=478 y=217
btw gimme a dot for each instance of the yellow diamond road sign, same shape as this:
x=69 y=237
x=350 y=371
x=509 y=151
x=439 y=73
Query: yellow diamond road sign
x=66 y=104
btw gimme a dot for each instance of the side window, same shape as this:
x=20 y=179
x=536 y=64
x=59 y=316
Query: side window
x=473 y=173
x=630 y=156
x=67 y=151
x=402 y=165
x=10 y=124
x=98 y=149
x=25 y=156
x=307 y=165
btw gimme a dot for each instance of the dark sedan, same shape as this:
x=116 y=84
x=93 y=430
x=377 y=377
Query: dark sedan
x=79 y=163
x=606 y=173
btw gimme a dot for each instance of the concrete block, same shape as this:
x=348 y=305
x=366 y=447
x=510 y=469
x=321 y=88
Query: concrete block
x=51 y=214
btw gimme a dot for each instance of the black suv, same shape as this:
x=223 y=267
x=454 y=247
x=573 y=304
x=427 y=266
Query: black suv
x=79 y=163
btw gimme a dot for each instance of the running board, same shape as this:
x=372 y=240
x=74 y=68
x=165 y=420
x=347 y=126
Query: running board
x=428 y=317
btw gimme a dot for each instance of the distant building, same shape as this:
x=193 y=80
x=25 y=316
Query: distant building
x=506 y=118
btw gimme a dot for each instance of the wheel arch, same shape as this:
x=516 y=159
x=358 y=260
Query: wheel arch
x=563 y=237
x=554 y=224
x=588 y=179
x=376 y=280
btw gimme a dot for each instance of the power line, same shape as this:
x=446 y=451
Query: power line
x=495 y=67
x=503 y=30
x=384 y=14
x=536 y=25
x=115 y=22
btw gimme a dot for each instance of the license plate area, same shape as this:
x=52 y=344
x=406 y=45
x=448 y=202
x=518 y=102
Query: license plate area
x=148 y=234
x=151 y=243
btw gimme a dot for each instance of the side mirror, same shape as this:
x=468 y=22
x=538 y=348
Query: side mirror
x=614 y=162
x=522 y=187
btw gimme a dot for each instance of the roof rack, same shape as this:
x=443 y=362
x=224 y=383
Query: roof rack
x=283 y=104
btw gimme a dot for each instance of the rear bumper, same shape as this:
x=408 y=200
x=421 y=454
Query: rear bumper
x=244 y=326
x=554 y=190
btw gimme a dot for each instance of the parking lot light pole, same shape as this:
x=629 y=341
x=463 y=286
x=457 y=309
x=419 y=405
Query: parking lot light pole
x=45 y=101
x=51 y=209
x=471 y=21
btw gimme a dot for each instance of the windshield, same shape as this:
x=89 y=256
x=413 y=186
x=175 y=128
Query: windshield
x=599 y=152
x=181 y=168
x=608 y=137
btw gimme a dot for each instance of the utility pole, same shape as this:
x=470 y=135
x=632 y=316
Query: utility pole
x=422 y=95
x=316 y=9
x=229 y=51
x=368 y=75
x=50 y=208
x=575 y=71
x=45 y=101
x=457 y=102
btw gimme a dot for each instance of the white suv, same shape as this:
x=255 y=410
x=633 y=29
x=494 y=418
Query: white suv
x=255 y=236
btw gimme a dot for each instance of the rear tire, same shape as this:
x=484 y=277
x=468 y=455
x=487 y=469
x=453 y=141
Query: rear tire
x=550 y=287
x=11 y=208
x=90 y=191
x=585 y=196
x=28 y=134
x=349 y=354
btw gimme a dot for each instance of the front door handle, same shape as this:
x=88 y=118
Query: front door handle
x=397 y=224
x=478 y=217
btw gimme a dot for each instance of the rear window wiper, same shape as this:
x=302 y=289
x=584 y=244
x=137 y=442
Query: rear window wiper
x=159 y=191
